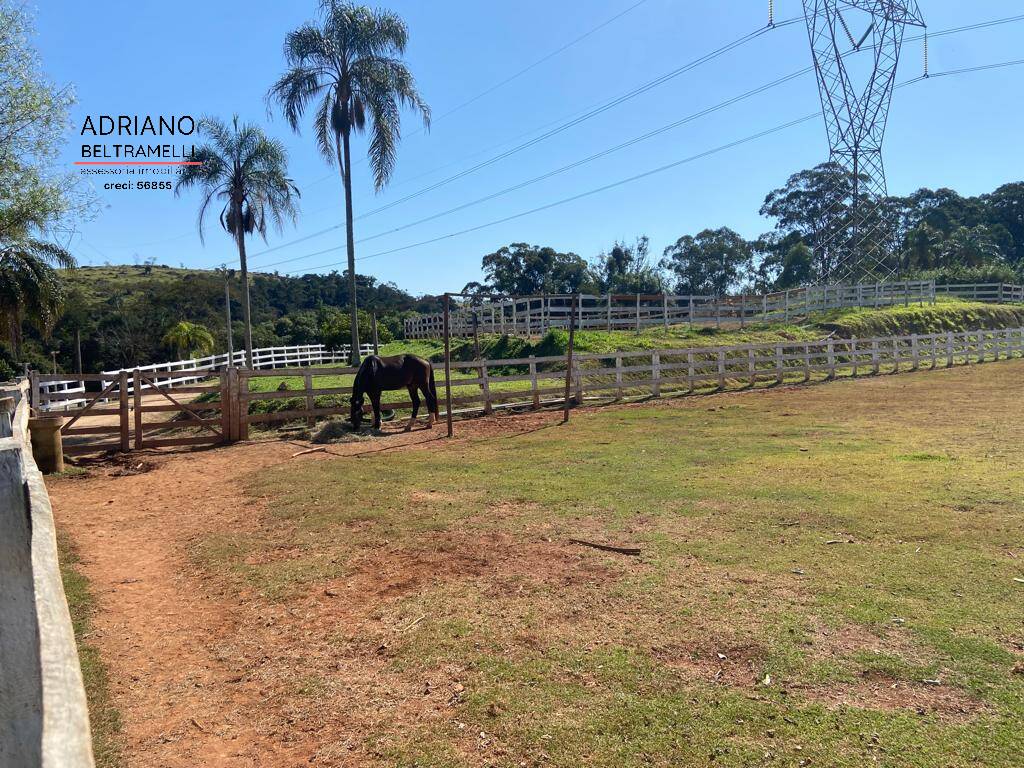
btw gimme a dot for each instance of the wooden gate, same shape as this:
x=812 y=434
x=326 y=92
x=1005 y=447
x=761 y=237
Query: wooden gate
x=192 y=424
x=133 y=411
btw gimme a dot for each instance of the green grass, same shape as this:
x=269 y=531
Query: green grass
x=843 y=543
x=944 y=315
x=104 y=718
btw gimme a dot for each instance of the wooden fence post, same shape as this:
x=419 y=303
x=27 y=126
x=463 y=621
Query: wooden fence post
x=485 y=385
x=229 y=405
x=122 y=397
x=853 y=354
x=721 y=369
x=137 y=405
x=752 y=367
x=780 y=364
x=830 y=352
x=568 y=358
x=664 y=309
x=448 y=361
x=913 y=352
x=743 y=311
x=949 y=349
x=689 y=372
x=690 y=313
x=609 y=312
x=638 y=313
x=533 y=383
x=618 y=377
x=656 y=374
x=310 y=403
x=242 y=408
x=807 y=362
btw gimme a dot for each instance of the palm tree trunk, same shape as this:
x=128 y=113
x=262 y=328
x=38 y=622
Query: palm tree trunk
x=346 y=175
x=246 y=316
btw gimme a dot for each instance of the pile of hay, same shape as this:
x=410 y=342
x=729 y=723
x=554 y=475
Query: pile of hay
x=340 y=431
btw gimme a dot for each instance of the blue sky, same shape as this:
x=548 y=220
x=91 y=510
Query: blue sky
x=193 y=57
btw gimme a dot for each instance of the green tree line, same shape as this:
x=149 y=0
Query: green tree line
x=936 y=234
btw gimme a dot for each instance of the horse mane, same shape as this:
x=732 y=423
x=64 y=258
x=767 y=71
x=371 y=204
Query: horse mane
x=365 y=372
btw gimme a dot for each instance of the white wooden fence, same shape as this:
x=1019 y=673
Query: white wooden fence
x=996 y=293
x=44 y=720
x=69 y=394
x=532 y=315
x=532 y=382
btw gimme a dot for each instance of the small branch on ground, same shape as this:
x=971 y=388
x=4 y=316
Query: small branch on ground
x=309 y=450
x=632 y=551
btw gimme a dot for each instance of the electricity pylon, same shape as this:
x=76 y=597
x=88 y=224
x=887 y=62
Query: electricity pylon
x=856 y=241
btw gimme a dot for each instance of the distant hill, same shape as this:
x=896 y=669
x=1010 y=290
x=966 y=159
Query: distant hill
x=123 y=311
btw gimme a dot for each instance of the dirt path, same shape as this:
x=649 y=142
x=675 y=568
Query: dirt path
x=181 y=657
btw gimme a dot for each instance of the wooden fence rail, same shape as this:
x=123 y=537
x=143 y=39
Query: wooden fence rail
x=232 y=404
x=72 y=391
x=532 y=315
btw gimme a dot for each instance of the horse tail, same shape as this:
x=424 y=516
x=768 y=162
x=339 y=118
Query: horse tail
x=433 y=391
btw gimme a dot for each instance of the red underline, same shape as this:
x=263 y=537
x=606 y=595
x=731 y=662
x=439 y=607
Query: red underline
x=128 y=162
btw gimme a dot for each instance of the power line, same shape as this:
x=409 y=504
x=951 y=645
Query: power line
x=651 y=84
x=515 y=76
x=537 y=63
x=588 y=193
x=600 y=109
x=591 y=158
x=658 y=131
x=645 y=174
x=586 y=115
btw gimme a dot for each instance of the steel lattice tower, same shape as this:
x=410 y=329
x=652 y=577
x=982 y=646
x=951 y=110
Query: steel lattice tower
x=856 y=242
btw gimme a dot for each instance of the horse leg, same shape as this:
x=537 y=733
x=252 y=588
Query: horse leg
x=375 y=399
x=431 y=405
x=414 y=396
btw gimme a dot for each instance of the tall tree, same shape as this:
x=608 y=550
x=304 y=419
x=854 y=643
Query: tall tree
x=349 y=63
x=521 y=269
x=35 y=197
x=626 y=269
x=708 y=263
x=248 y=171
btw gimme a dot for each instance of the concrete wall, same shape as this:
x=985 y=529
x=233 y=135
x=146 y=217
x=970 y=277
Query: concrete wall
x=44 y=720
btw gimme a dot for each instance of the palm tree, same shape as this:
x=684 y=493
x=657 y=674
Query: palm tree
x=248 y=171
x=349 y=64
x=190 y=339
x=30 y=288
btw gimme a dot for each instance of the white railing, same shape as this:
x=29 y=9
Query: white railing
x=532 y=315
x=185 y=372
x=44 y=720
x=993 y=293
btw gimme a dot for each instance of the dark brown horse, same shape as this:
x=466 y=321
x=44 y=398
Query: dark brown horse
x=377 y=374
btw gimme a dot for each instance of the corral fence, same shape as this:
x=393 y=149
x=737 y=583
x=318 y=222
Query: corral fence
x=238 y=400
x=73 y=392
x=44 y=720
x=534 y=315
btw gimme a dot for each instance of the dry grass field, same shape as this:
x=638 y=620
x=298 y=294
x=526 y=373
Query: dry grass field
x=828 y=575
